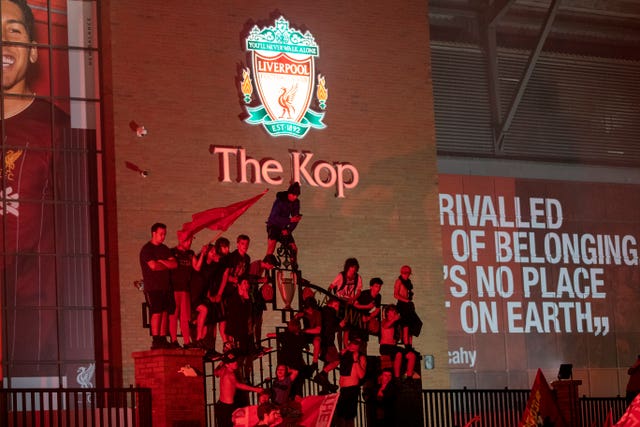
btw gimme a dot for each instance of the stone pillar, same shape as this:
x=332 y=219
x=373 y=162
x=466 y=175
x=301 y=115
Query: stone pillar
x=567 y=398
x=176 y=400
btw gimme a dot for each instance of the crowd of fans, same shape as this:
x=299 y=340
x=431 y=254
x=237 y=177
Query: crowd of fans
x=222 y=293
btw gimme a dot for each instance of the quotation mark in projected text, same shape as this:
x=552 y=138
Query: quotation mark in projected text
x=601 y=324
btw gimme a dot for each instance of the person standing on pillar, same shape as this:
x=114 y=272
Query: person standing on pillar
x=181 y=278
x=212 y=271
x=156 y=261
x=236 y=264
x=347 y=286
x=283 y=219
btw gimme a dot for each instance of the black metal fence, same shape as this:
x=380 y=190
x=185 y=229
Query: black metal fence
x=594 y=410
x=504 y=408
x=496 y=408
x=131 y=407
x=75 y=407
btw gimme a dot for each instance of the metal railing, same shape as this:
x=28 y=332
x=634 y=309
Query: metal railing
x=594 y=410
x=131 y=407
x=262 y=372
x=75 y=407
x=504 y=408
x=496 y=408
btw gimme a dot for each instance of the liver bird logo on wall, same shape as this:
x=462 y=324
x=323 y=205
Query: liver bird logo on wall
x=85 y=375
x=283 y=62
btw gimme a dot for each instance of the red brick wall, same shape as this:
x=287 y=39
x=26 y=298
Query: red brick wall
x=175 y=397
x=175 y=69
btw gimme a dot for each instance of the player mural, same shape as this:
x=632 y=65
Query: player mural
x=45 y=261
x=543 y=271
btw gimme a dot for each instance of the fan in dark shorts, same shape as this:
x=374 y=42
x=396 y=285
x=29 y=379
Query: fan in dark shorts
x=156 y=261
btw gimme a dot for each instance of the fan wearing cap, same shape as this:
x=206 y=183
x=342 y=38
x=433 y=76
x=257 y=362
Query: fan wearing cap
x=283 y=219
x=229 y=383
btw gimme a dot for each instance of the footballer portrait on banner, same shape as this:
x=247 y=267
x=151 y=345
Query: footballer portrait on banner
x=47 y=141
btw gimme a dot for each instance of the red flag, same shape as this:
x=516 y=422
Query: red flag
x=472 y=420
x=631 y=417
x=318 y=410
x=541 y=405
x=609 y=421
x=217 y=218
x=246 y=416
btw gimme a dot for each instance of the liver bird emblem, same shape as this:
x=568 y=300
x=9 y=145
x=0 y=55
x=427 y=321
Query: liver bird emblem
x=10 y=159
x=85 y=375
x=285 y=100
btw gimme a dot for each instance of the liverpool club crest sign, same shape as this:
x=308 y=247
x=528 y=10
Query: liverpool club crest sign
x=284 y=76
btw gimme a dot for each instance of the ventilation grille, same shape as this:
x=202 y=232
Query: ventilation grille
x=574 y=109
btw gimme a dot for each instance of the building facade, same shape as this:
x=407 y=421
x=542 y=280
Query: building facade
x=207 y=81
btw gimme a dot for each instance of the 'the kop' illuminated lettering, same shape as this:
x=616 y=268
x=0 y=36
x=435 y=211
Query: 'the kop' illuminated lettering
x=343 y=176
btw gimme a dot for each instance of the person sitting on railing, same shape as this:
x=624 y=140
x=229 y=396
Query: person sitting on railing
x=229 y=383
x=403 y=293
x=389 y=347
x=331 y=325
x=281 y=385
x=368 y=305
x=347 y=286
x=312 y=321
x=291 y=343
